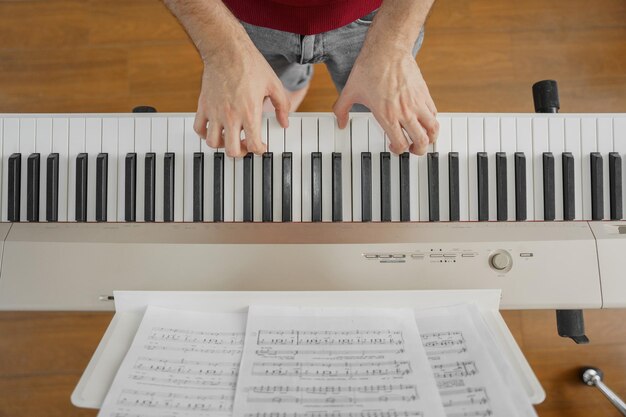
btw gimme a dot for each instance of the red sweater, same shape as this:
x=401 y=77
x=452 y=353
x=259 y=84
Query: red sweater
x=305 y=17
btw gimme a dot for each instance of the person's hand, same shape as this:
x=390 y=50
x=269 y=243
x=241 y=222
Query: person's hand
x=391 y=85
x=235 y=82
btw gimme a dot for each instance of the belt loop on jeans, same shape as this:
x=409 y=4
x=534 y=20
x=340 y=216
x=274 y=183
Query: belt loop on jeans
x=306 y=47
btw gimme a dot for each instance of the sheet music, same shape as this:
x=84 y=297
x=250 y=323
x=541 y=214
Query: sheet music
x=181 y=364
x=334 y=362
x=473 y=377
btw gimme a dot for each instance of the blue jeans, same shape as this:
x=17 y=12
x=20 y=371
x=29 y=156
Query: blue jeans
x=292 y=56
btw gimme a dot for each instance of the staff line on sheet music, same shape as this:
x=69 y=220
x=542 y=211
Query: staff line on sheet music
x=332 y=389
x=365 y=413
x=269 y=352
x=184 y=336
x=233 y=352
x=177 y=382
x=172 y=401
x=328 y=337
x=332 y=400
x=455 y=369
x=331 y=369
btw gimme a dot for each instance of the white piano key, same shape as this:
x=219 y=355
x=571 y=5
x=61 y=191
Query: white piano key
x=343 y=145
x=492 y=146
x=43 y=146
x=209 y=166
x=475 y=144
x=126 y=144
x=422 y=188
x=525 y=145
x=76 y=146
x=444 y=147
x=589 y=144
x=395 y=183
x=540 y=145
x=360 y=143
x=142 y=147
x=326 y=144
x=109 y=146
x=159 y=146
x=27 y=147
x=414 y=211
x=309 y=145
x=573 y=145
x=556 y=132
x=191 y=144
x=10 y=145
x=276 y=136
x=459 y=145
x=508 y=143
x=176 y=145
x=619 y=134
x=605 y=146
x=229 y=187
x=60 y=145
x=93 y=146
x=293 y=144
x=257 y=195
x=239 y=189
x=376 y=146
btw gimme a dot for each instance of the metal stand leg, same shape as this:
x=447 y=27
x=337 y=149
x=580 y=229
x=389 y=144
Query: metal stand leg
x=593 y=378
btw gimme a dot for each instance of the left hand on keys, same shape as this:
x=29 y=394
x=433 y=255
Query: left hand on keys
x=391 y=85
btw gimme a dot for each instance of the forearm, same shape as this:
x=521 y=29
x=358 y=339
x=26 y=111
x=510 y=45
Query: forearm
x=211 y=26
x=397 y=25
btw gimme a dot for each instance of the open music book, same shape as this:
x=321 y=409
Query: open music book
x=315 y=362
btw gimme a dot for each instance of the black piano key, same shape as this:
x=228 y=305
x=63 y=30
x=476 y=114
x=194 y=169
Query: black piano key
x=502 y=210
x=32 y=187
x=482 y=162
x=549 y=211
x=198 y=186
x=366 y=186
x=52 y=187
x=597 y=191
x=405 y=188
x=520 y=187
x=453 y=185
x=433 y=186
x=316 y=186
x=81 y=187
x=169 y=164
x=569 y=187
x=14 y=187
x=102 y=174
x=385 y=186
x=615 y=185
x=268 y=187
x=287 y=194
x=218 y=187
x=149 y=207
x=248 y=187
x=337 y=189
x=130 y=187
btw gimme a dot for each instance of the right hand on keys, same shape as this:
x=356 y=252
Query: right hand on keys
x=235 y=82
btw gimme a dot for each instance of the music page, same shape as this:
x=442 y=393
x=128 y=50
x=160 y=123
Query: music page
x=180 y=364
x=473 y=377
x=334 y=362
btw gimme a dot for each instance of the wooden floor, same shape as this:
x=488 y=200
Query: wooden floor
x=479 y=55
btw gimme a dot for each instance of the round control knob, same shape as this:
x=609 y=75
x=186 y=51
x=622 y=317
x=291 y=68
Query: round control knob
x=501 y=261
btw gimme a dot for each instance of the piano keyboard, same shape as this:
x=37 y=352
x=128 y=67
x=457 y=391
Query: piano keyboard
x=154 y=168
